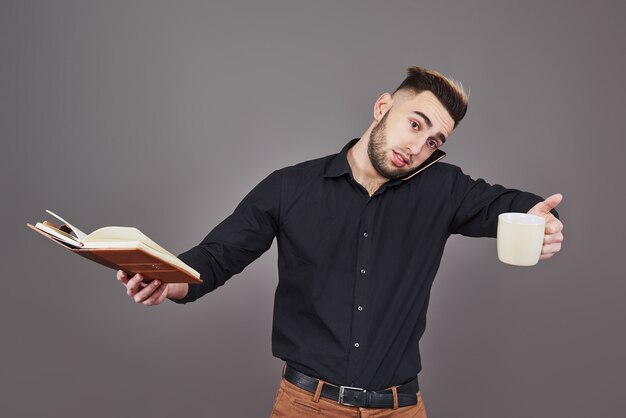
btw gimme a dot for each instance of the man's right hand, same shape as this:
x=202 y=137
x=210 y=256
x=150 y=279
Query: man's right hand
x=149 y=294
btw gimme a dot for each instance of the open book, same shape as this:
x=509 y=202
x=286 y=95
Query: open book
x=120 y=248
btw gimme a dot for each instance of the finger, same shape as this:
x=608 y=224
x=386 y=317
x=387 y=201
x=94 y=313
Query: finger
x=122 y=276
x=546 y=256
x=543 y=208
x=134 y=284
x=553 y=225
x=551 y=248
x=157 y=296
x=552 y=238
x=146 y=292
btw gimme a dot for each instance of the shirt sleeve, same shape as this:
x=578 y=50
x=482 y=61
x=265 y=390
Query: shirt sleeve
x=476 y=205
x=237 y=241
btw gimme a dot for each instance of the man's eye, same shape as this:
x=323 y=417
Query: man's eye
x=432 y=144
x=414 y=124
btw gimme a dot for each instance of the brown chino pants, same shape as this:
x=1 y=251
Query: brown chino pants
x=293 y=402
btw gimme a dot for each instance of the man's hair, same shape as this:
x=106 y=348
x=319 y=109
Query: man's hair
x=449 y=92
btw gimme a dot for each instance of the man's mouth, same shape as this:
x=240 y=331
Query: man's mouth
x=399 y=160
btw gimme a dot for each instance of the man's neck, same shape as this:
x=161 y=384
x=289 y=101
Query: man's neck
x=362 y=169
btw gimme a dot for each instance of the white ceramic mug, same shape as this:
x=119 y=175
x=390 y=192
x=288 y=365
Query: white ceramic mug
x=520 y=238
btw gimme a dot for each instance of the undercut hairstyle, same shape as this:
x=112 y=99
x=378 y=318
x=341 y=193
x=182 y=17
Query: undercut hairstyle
x=449 y=92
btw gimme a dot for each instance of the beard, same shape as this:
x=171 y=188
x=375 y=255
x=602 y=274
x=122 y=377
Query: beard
x=376 y=150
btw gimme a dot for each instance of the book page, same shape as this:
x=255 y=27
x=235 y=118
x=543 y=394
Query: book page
x=80 y=234
x=122 y=233
x=58 y=235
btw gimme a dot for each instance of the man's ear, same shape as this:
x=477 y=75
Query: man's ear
x=382 y=106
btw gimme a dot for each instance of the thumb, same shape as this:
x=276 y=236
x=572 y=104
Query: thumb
x=543 y=208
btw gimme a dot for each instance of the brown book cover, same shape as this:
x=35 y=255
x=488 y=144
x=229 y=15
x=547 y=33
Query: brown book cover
x=132 y=261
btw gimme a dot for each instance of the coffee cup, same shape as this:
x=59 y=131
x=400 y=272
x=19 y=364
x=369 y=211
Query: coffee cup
x=520 y=238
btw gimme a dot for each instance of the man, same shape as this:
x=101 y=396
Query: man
x=360 y=236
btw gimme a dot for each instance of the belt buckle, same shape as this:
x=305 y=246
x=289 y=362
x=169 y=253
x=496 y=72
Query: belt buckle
x=342 y=389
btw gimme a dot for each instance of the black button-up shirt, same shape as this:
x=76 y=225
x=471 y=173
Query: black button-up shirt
x=355 y=272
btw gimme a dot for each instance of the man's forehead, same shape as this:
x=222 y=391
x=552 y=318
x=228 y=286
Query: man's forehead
x=426 y=103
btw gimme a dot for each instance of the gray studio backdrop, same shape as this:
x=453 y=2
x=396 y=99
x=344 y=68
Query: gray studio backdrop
x=163 y=115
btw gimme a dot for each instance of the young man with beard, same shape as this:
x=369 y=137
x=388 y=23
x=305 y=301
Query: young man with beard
x=360 y=236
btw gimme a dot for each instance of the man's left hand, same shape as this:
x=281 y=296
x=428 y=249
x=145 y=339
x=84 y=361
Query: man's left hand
x=553 y=235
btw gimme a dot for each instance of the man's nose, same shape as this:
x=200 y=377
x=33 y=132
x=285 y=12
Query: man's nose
x=415 y=147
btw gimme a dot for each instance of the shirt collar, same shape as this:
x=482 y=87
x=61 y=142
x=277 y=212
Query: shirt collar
x=338 y=165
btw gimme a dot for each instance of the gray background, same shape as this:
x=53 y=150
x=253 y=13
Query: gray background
x=162 y=115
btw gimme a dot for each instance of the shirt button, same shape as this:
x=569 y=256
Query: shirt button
x=365 y=234
x=356 y=345
x=360 y=308
x=362 y=271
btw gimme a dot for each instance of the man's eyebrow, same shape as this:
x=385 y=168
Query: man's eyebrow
x=428 y=122
x=439 y=136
